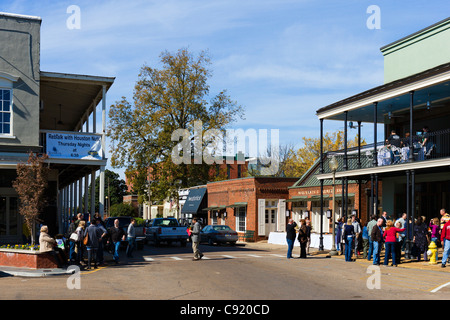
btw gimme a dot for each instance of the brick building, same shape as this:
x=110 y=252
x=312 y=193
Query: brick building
x=252 y=203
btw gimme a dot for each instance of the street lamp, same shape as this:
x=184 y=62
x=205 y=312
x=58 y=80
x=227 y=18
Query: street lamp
x=333 y=167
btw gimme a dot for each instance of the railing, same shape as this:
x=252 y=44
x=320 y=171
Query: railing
x=436 y=146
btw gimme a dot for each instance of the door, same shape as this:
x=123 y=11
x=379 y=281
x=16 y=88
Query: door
x=270 y=216
x=10 y=228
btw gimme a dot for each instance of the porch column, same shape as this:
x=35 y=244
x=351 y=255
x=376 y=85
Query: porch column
x=345 y=141
x=375 y=153
x=408 y=215
x=411 y=123
x=92 y=211
x=75 y=199
x=371 y=194
x=101 y=195
x=359 y=144
x=321 y=187
x=80 y=195
x=86 y=193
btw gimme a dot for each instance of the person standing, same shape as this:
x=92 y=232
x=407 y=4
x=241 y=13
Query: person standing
x=131 y=238
x=80 y=247
x=402 y=221
x=390 y=237
x=196 y=239
x=117 y=235
x=420 y=238
x=349 y=236
x=338 y=239
x=377 y=238
x=372 y=223
x=445 y=240
x=445 y=217
x=95 y=235
x=302 y=238
x=308 y=234
x=400 y=241
x=290 y=236
x=357 y=229
x=365 y=239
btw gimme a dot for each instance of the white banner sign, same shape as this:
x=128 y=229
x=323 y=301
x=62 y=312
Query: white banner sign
x=74 y=146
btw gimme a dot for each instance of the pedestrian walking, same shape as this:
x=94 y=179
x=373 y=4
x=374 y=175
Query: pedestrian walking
x=445 y=240
x=71 y=241
x=196 y=239
x=390 y=239
x=290 y=236
x=100 y=224
x=349 y=236
x=377 y=238
x=372 y=223
x=303 y=238
x=420 y=239
x=116 y=236
x=94 y=235
x=131 y=238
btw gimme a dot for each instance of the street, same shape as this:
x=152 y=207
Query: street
x=254 y=271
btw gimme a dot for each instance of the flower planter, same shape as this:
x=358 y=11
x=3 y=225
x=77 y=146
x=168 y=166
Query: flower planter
x=27 y=259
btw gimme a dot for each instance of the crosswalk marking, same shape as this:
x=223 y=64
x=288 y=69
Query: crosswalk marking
x=212 y=255
x=254 y=255
x=148 y=259
x=226 y=256
x=176 y=258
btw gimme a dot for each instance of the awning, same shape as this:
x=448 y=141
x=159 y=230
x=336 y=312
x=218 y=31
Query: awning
x=237 y=205
x=194 y=200
x=214 y=208
x=298 y=198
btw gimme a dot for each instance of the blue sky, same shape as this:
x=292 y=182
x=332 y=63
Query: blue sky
x=281 y=59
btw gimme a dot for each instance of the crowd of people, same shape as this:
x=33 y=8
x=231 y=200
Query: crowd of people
x=85 y=239
x=352 y=238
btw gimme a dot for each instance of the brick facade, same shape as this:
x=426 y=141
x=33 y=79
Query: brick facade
x=244 y=190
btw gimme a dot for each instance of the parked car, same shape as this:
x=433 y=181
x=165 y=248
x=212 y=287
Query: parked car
x=218 y=234
x=166 y=230
x=124 y=222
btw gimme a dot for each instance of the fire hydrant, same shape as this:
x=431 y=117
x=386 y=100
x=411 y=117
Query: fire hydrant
x=432 y=253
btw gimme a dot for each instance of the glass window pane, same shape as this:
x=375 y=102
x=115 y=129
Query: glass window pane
x=2 y=215
x=6 y=117
x=13 y=216
x=6 y=128
x=7 y=105
x=6 y=95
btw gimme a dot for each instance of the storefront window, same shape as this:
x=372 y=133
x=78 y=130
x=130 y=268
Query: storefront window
x=5 y=111
x=240 y=219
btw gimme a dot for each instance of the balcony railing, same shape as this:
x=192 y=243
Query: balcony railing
x=436 y=146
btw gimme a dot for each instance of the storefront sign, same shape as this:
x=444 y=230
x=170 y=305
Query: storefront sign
x=74 y=146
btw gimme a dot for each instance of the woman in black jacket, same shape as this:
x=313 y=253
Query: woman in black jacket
x=303 y=238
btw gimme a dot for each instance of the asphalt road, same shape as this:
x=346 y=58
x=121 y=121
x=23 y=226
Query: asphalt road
x=252 y=272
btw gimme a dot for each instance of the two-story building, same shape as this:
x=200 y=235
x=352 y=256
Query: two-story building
x=47 y=113
x=412 y=159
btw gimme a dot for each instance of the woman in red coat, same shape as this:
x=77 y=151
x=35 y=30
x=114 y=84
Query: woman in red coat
x=390 y=238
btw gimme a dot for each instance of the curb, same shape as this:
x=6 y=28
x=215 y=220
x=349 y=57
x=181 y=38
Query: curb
x=33 y=273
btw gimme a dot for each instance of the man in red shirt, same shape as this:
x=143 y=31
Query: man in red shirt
x=445 y=240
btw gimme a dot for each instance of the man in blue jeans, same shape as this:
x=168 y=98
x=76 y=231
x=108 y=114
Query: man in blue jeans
x=377 y=238
x=131 y=238
x=372 y=223
x=290 y=237
x=117 y=236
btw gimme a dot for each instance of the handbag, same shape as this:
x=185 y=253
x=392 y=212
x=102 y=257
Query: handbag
x=74 y=237
x=86 y=238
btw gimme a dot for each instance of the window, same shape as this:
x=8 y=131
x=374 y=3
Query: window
x=240 y=219
x=5 y=111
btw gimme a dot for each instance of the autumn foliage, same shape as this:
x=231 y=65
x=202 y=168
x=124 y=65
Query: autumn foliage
x=30 y=185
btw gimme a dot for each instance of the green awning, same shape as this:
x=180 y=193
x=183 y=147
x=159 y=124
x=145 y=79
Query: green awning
x=298 y=198
x=214 y=208
x=237 y=205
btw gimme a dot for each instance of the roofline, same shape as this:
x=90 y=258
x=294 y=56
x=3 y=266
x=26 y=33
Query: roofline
x=383 y=48
x=20 y=16
x=389 y=90
x=76 y=77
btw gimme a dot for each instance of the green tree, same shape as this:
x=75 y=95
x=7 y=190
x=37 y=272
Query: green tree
x=123 y=209
x=115 y=189
x=166 y=99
